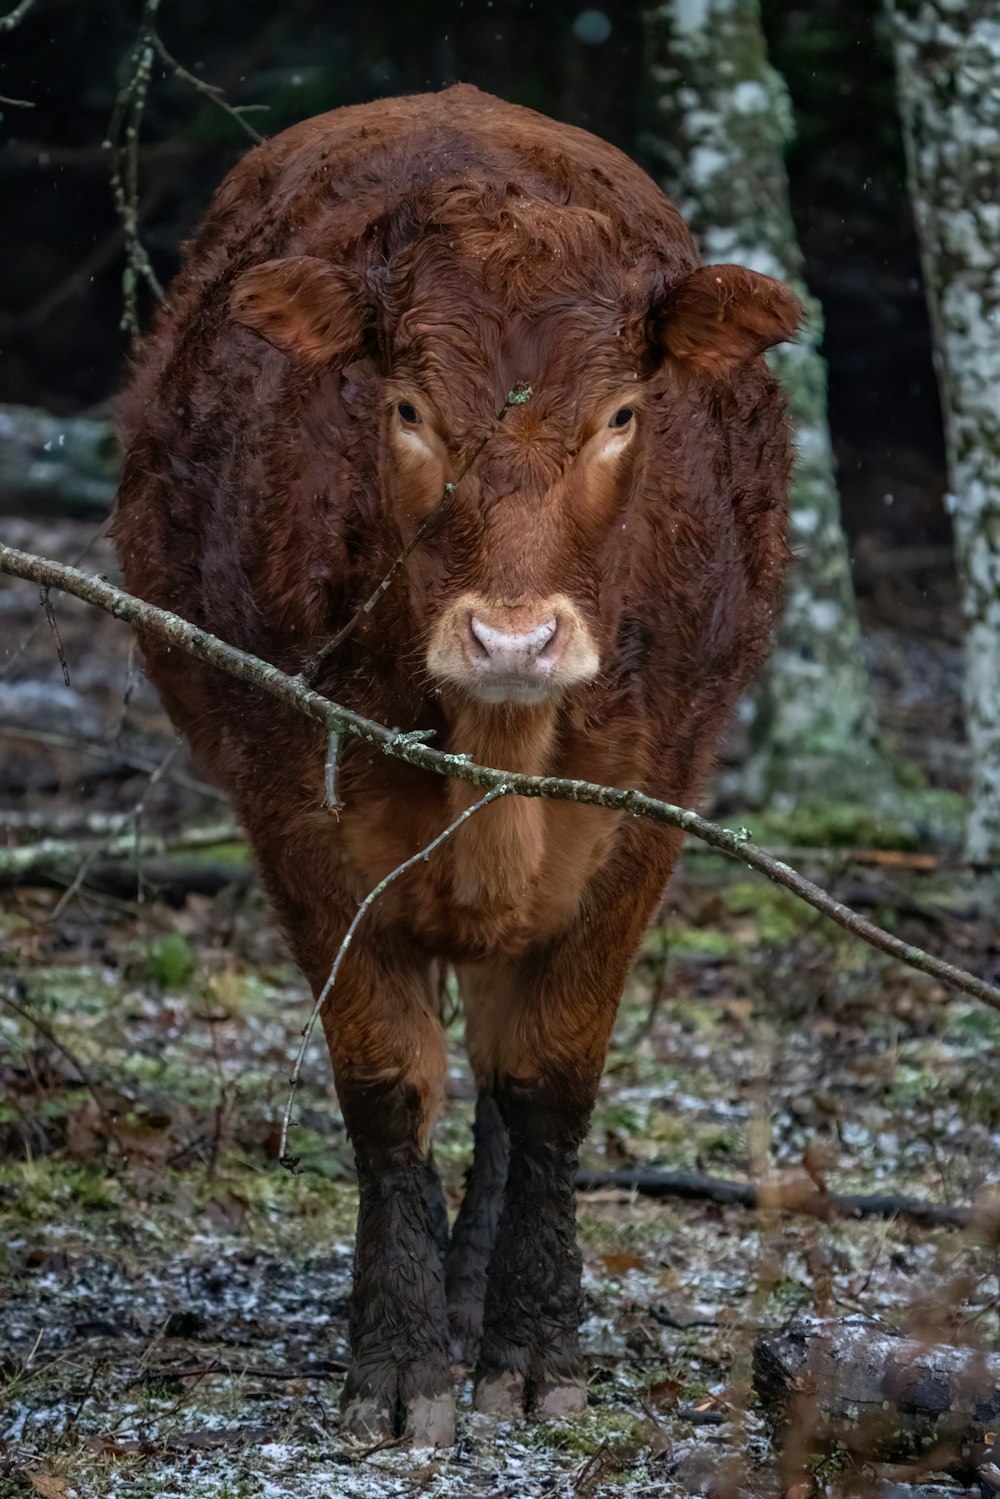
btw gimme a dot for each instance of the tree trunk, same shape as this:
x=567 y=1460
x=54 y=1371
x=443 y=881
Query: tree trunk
x=722 y=117
x=948 y=78
x=883 y=1397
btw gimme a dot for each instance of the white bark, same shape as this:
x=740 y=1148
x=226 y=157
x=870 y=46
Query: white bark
x=948 y=74
x=725 y=116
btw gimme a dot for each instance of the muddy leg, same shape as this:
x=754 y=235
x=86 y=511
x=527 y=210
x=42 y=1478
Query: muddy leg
x=388 y=1054
x=529 y=1358
x=475 y=1231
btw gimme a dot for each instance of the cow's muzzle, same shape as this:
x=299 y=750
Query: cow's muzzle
x=512 y=652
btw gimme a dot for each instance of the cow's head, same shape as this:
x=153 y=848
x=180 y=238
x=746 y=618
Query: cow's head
x=522 y=504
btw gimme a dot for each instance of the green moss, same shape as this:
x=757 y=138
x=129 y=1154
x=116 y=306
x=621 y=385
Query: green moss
x=582 y=1437
x=692 y=942
x=170 y=960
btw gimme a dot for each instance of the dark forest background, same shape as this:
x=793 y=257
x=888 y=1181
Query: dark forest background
x=61 y=254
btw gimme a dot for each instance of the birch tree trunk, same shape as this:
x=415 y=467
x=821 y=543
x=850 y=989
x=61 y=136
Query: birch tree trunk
x=722 y=118
x=948 y=79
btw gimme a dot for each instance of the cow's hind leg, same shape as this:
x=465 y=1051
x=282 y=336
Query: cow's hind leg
x=474 y=1233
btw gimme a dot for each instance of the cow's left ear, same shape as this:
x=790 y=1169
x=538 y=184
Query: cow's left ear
x=721 y=315
x=314 y=312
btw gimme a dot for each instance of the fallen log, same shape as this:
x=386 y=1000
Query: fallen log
x=788 y=1195
x=852 y=1383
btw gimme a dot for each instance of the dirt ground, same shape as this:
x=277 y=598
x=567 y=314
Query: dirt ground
x=173 y=1302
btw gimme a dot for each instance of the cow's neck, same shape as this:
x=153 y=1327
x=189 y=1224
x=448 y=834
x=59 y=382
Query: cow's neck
x=497 y=855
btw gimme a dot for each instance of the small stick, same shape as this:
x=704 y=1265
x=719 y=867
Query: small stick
x=291 y=1162
x=74 y=1061
x=211 y=91
x=123 y=821
x=331 y=798
x=15 y=17
x=50 y=616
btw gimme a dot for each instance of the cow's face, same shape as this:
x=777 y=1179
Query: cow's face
x=517 y=495
x=513 y=430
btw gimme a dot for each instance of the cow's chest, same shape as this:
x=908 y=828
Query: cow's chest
x=512 y=874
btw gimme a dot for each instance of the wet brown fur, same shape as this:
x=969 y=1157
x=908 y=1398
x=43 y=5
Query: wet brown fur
x=452 y=245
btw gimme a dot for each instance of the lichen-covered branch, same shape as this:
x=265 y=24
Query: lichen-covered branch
x=948 y=77
x=296 y=694
x=723 y=117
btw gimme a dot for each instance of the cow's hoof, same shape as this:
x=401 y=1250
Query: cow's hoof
x=430 y=1421
x=554 y=1401
x=367 y=1420
x=401 y=1402
x=500 y=1395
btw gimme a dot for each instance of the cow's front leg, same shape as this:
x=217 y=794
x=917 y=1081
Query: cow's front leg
x=388 y=1056
x=529 y=1357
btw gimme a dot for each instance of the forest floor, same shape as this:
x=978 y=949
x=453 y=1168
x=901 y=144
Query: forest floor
x=173 y=1303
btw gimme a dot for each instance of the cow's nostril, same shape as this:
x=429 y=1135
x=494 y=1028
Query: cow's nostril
x=511 y=653
x=479 y=640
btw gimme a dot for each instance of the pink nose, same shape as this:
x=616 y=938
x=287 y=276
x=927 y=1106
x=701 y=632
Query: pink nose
x=511 y=655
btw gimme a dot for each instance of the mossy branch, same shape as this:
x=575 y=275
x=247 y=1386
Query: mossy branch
x=295 y=693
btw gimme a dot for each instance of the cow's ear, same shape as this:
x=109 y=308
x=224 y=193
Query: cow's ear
x=314 y=312
x=721 y=315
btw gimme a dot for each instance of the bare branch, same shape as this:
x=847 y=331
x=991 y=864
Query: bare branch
x=291 y=1162
x=211 y=91
x=127 y=119
x=515 y=397
x=794 y=1196
x=15 y=17
x=296 y=694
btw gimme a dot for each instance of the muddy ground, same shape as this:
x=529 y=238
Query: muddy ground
x=173 y=1303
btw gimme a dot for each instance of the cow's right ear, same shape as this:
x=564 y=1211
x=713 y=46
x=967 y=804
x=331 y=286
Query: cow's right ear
x=721 y=315
x=314 y=312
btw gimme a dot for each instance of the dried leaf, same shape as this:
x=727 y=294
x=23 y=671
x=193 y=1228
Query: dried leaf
x=48 y=1485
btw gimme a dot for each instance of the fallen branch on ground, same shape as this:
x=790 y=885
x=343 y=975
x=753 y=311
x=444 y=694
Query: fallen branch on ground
x=297 y=695
x=796 y=1196
x=856 y=1383
x=51 y=857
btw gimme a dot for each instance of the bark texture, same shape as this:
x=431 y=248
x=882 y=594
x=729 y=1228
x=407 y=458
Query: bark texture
x=948 y=75
x=882 y=1396
x=722 y=118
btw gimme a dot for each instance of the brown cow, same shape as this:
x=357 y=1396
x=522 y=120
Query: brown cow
x=364 y=291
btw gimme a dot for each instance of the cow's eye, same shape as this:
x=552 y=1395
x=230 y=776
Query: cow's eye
x=408 y=413
x=622 y=417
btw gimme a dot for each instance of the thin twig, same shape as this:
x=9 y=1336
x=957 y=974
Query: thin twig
x=16 y=16
x=331 y=796
x=296 y=694
x=100 y=750
x=29 y=635
x=50 y=617
x=74 y=1061
x=431 y=523
x=211 y=91
x=127 y=118
x=124 y=820
x=291 y=1162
